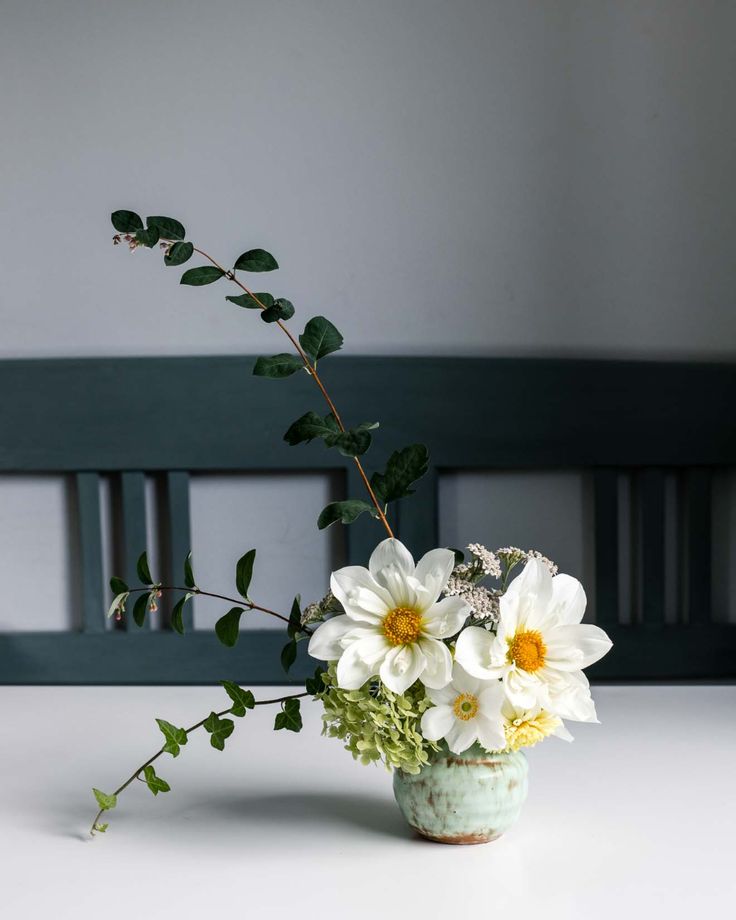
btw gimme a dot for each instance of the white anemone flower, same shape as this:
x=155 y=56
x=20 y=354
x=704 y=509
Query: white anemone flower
x=466 y=711
x=540 y=645
x=394 y=622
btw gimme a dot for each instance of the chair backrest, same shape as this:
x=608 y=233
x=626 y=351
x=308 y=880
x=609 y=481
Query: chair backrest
x=630 y=423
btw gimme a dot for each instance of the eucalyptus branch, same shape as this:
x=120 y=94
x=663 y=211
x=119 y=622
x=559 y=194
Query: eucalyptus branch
x=311 y=368
x=236 y=709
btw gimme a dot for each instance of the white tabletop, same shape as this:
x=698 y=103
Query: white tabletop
x=635 y=819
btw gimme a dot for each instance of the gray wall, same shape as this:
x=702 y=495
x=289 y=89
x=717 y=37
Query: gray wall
x=466 y=177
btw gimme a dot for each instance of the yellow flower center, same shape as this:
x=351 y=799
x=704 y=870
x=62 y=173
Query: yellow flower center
x=528 y=732
x=465 y=706
x=402 y=626
x=527 y=650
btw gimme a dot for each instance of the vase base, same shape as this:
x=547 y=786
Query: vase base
x=458 y=839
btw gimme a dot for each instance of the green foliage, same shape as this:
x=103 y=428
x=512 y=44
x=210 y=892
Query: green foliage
x=242 y=699
x=350 y=443
x=126 y=221
x=244 y=572
x=177 y=614
x=254 y=301
x=376 y=724
x=105 y=801
x=148 y=237
x=140 y=608
x=295 y=618
x=219 y=730
x=168 y=228
x=227 y=627
x=320 y=338
x=189 y=572
x=315 y=683
x=203 y=274
x=178 y=254
x=346 y=512
x=281 y=309
x=118 y=586
x=101 y=827
x=256 y=260
x=175 y=737
x=277 y=366
x=155 y=783
x=143 y=571
x=290 y=716
x=355 y=441
x=404 y=467
x=288 y=655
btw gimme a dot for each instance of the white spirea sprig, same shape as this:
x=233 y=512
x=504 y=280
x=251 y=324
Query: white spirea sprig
x=490 y=563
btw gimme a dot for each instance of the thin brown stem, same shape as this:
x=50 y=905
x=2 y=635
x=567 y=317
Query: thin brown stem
x=136 y=773
x=312 y=371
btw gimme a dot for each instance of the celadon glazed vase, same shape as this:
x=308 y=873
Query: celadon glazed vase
x=472 y=797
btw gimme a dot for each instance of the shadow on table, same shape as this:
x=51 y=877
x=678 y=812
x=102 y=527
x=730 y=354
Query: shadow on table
x=364 y=813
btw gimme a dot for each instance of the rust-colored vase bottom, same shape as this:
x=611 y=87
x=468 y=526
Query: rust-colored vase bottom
x=462 y=840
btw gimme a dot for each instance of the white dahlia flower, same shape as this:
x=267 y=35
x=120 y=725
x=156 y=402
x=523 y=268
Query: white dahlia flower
x=540 y=646
x=394 y=622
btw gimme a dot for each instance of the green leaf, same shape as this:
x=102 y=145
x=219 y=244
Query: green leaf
x=219 y=730
x=189 y=572
x=227 y=627
x=105 y=801
x=346 y=512
x=242 y=699
x=177 y=614
x=126 y=221
x=118 y=586
x=283 y=365
x=354 y=442
x=244 y=572
x=155 y=783
x=148 y=237
x=404 y=467
x=179 y=253
x=459 y=555
x=101 y=827
x=320 y=338
x=144 y=573
x=250 y=302
x=288 y=655
x=281 y=309
x=176 y=738
x=203 y=274
x=314 y=684
x=256 y=260
x=311 y=426
x=295 y=618
x=167 y=227
x=140 y=608
x=290 y=716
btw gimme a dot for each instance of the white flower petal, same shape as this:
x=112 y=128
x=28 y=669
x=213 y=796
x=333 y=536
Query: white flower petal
x=360 y=661
x=433 y=570
x=438 y=670
x=562 y=732
x=390 y=565
x=362 y=598
x=571 y=648
x=569 y=696
x=462 y=735
x=437 y=722
x=524 y=690
x=491 y=699
x=462 y=682
x=445 y=618
x=527 y=598
x=325 y=643
x=568 y=599
x=473 y=651
x=490 y=733
x=442 y=696
x=401 y=667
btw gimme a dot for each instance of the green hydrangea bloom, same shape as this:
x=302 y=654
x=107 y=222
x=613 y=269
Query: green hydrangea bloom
x=376 y=724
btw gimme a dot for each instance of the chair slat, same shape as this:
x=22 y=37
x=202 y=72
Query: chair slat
x=179 y=542
x=418 y=525
x=133 y=496
x=698 y=486
x=650 y=489
x=605 y=496
x=363 y=535
x=90 y=540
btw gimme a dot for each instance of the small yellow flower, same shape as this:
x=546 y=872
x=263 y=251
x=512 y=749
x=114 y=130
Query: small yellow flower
x=525 y=728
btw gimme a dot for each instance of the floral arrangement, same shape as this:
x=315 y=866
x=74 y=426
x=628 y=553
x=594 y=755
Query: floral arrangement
x=420 y=658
